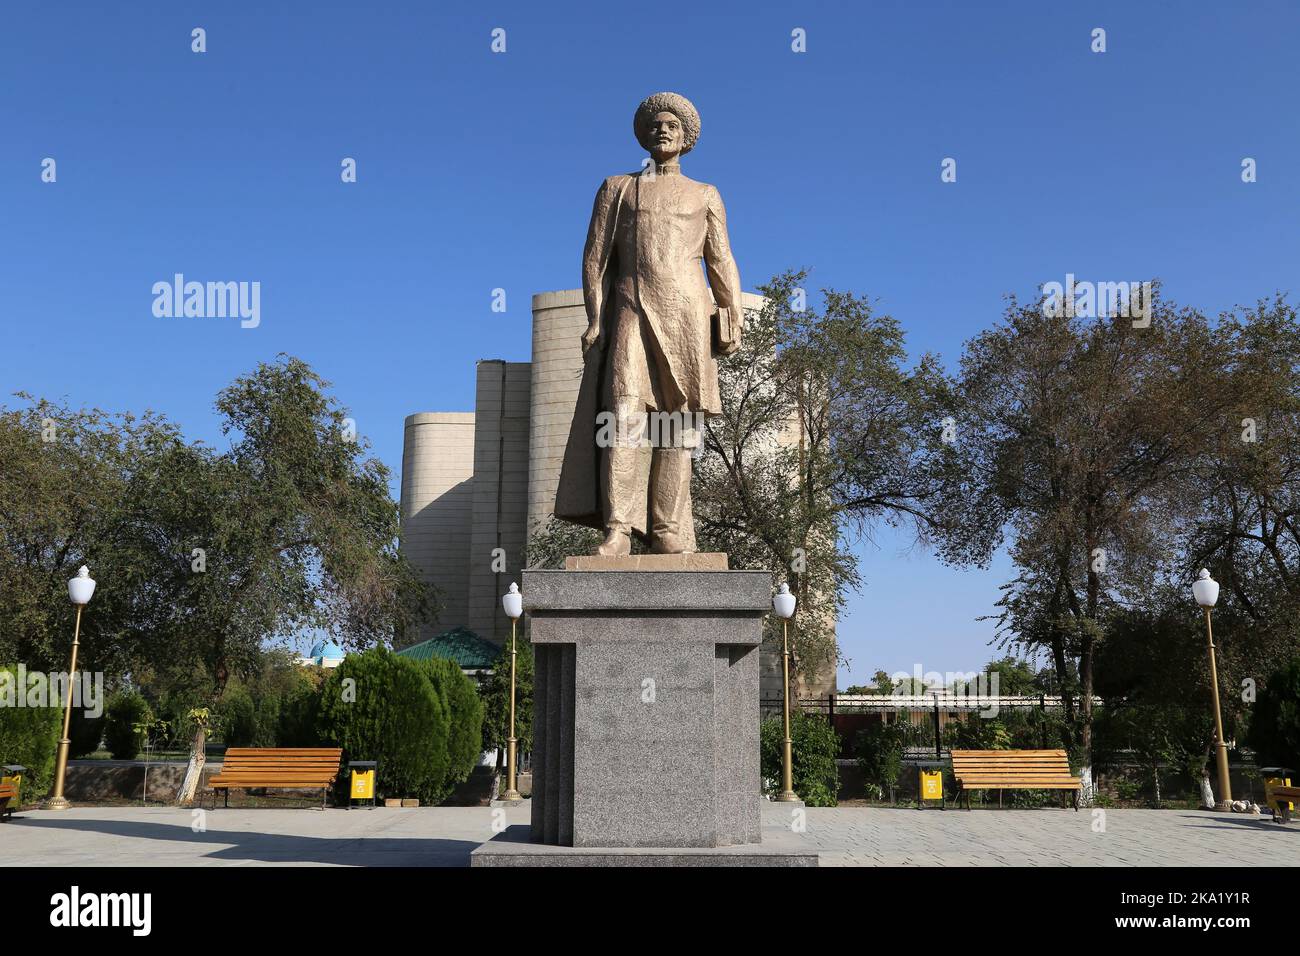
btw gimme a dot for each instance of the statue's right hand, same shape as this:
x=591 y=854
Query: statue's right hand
x=590 y=337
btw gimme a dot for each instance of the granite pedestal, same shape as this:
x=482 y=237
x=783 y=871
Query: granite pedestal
x=646 y=721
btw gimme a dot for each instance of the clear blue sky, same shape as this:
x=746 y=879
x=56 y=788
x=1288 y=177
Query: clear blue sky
x=476 y=171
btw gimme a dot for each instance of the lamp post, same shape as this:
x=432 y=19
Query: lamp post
x=80 y=590
x=783 y=605
x=1206 y=591
x=513 y=602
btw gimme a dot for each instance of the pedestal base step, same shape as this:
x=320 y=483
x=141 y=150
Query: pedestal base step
x=512 y=847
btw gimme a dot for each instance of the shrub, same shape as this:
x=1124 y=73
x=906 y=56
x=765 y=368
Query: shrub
x=85 y=733
x=296 y=723
x=977 y=733
x=238 y=721
x=1274 y=732
x=814 y=745
x=378 y=706
x=879 y=750
x=465 y=714
x=29 y=736
x=125 y=710
x=496 y=700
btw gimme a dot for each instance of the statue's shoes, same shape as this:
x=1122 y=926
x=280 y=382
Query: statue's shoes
x=616 y=544
x=667 y=543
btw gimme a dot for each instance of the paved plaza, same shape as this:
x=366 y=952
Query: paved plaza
x=445 y=836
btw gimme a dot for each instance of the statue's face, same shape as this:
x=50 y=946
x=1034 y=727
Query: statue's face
x=665 y=136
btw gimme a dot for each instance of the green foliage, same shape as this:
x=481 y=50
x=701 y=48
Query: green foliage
x=296 y=724
x=879 y=751
x=814 y=746
x=238 y=721
x=378 y=706
x=977 y=733
x=85 y=733
x=29 y=736
x=258 y=704
x=496 y=700
x=126 y=712
x=1015 y=676
x=294 y=527
x=1275 y=721
x=465 y=714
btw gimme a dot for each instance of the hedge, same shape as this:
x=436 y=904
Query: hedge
x=29 y=736
x=378 y=706
x=814 y=743
x=465 y=712
x=125 y=709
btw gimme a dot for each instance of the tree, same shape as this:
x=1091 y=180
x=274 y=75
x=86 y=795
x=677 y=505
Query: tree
x=1015 y=676
x=208 y=554
x=825 y=432
x=1275 y=722
x=465 y=716
x=68 y=493
x=1075 y=436
x=1154 y=677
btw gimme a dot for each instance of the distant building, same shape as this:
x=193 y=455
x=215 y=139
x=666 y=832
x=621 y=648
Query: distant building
x=475 y=484
x=324 y=654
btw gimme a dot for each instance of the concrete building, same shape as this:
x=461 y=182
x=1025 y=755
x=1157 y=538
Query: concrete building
x=474 y=484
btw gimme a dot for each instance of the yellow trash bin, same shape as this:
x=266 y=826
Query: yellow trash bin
x=1269 y=784
x=363 y=781
x=931 y=785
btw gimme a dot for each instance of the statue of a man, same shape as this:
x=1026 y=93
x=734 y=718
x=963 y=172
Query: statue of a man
x=650 y=376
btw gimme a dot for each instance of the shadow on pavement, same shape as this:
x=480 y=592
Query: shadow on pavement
x=269 y=847
x=1252 y=823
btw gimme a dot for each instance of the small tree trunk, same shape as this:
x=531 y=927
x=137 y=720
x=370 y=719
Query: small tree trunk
x=1156 y=773
x=1207 y=791
x=1086 y=790
x=193 y=772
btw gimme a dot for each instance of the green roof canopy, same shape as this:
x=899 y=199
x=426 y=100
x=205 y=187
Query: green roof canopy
x=460 y=644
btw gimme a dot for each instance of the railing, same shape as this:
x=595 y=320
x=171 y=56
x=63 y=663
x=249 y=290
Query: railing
x=878 y=703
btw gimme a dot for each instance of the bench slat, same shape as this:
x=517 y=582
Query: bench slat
x=1014 y=770
x=286 y=768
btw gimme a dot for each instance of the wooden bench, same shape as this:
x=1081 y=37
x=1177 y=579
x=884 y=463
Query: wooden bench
x=1012 y=770
x=8 y=799
x=1282 y=798
x=298 y=768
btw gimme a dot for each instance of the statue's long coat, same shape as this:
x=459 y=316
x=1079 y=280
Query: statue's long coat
x=647 y=236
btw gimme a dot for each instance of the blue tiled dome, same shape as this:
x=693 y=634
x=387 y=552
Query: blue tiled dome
x=327 y=651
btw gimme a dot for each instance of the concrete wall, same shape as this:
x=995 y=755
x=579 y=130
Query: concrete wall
x=437 y=504
x=500 y=508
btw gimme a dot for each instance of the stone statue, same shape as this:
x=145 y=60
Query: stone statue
x=650 y=376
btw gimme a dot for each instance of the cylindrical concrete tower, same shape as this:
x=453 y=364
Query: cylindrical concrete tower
x=437 y=507
x=559 y=319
